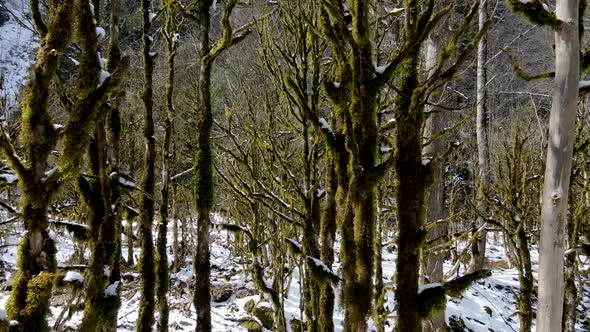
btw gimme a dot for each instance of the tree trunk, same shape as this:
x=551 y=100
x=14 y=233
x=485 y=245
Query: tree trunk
x=410 y=191
x=167 y=159
x=147 y=272
x=327 y=237
x=435 y=209
x=558 y=168
x=203 y=175
x=478 y=249
x=525 y=271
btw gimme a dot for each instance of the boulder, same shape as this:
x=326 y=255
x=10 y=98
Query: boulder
x=221 y=293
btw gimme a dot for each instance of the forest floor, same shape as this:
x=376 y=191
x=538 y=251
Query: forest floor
x=488 y=305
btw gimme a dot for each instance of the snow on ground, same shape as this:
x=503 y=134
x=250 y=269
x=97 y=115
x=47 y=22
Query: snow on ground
x=488 y=305
x=17 y=44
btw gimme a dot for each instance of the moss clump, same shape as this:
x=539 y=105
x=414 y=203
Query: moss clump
x=32 y=317
x=251 y=325
x=249 y=306
x=535 y=12
x=456 y=287
x=431 y=300
x=265 y=315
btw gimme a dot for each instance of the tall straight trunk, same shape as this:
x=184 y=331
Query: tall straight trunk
x=203 y=174
x=558 y=167
x=147 y=272
x=435 y=208
x=167 y=159
x=327 y=237
x=478 y=249
x=411 y=195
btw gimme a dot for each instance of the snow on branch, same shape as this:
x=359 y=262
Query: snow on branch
x=320 y=271
x=295 y=246
x=80 y=231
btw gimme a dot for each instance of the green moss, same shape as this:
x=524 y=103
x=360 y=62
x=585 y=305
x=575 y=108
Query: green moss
x=32 y=317
x=251 y=325
x=265 y=315
x=431 y=301
x=456 y=287
x=535 y=12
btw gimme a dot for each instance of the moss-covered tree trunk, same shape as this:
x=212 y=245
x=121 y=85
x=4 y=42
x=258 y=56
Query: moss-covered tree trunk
x=167 y=159
x=29 y=300
x=101 y=196
x=327 y=238
x=411 y=186
x=36 y=249
x=147 y=272
x=203 y=174
x=525 y=277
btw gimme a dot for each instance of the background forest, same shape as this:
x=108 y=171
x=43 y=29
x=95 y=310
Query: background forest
x=293 y=165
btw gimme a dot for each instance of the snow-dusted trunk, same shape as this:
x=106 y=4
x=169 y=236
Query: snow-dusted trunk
x=436 y=201
x=483 y=154
x=558 y=168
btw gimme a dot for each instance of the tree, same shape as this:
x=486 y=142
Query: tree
x=29 y=300
x=170 y=33
x=145 y=320
x=478 y=251
x=101 y=195
x=558 y=166
x=203 y=191
x=565 y=24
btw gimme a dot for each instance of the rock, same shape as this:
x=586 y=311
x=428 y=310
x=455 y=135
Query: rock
x=4 y=16
x=251 y=325
x=243 y=292
x=456 y=324
x=266 y=316
x=221 y=293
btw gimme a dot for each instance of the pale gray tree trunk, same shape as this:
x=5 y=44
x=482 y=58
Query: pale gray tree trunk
x=483 y=153
x=436 y=200
x=558 y=168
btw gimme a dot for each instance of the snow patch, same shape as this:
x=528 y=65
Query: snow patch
x=111 y=289
x=324 y=125
x=103 y=77
x=73 y=276
x=428 y=286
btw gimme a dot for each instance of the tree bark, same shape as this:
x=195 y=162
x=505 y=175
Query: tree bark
x=167 y=158
x=203 y=175
x=558 y=168
x=435 y=206
x=327 y=237
x=147 y=272
x=478 y=249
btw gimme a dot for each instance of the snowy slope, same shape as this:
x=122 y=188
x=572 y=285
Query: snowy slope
x=488 y=305
x=17 y=45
